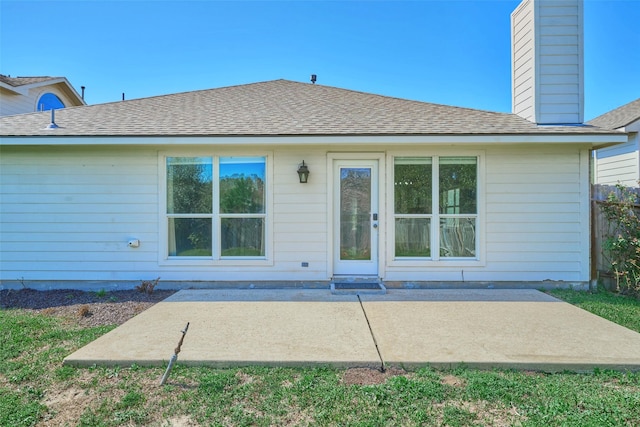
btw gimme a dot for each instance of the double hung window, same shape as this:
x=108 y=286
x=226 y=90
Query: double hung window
x=216 y=207
x=435 y=207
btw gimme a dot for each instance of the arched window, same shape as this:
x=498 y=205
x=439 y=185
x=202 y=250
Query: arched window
x=49 y=101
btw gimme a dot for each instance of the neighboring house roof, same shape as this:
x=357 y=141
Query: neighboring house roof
x=620 y=117
x=22 y=86
x=21 y=81
x=274 y=108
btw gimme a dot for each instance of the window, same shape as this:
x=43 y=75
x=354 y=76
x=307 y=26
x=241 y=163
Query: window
x=242 y=212
x=435 y=207
x=458 y=207
x=413 y=206
x=216 y=207
x=49 y=101
x=190 y=205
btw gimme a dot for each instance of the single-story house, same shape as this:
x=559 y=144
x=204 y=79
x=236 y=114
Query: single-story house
x=20 y=95
x=281 y=181
x=620 y=164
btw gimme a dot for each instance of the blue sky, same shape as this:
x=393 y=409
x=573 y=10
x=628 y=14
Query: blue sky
x=451 y=52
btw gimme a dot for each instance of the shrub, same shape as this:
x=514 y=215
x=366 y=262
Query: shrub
x=622 y=242
x=84 y=311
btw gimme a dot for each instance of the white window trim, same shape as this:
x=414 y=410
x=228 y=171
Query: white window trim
x=52 y=91
x=436 y=261
x=214 y=260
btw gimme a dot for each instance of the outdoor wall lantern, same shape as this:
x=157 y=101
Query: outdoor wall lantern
x=303 y=173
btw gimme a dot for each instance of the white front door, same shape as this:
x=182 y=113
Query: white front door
x=356 y=217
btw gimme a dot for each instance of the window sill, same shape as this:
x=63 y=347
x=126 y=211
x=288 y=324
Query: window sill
x=210 y=262
x=454 y=262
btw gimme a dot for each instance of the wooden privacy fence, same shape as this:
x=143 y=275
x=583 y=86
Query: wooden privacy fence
x=600 y=229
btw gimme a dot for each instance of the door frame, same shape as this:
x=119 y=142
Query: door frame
x=332 y=191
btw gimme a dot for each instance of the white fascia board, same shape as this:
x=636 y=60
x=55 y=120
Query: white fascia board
x=15 y=89
x=74 y=91
x=593 y=140
x=44 y=83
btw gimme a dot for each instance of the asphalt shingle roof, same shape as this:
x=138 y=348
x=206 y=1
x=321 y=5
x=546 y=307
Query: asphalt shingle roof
x=272 y=108
x=21 y=81
x=620 y=117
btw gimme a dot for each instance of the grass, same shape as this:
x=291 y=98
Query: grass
x=32 y=349
x=36 y=389
x=618 y=308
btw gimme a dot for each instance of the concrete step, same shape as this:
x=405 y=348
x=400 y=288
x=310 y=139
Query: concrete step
x=357 y=286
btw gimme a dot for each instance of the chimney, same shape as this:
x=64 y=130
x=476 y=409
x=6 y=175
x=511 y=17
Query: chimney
x=547 y=60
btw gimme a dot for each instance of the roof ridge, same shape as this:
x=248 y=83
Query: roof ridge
x=436 y=104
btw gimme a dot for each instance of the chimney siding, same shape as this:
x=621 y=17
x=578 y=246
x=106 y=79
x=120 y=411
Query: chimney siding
x=547 y=61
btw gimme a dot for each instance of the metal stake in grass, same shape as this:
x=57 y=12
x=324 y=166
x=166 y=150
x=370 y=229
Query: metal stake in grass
x=175 y=356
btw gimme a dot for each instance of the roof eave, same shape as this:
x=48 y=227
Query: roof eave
x=598 y=140
x=15 y=89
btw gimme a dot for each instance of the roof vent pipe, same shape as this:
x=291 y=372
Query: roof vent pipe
x=82 y=87
x=123 y=96
x=313 y=78
x=53 y=124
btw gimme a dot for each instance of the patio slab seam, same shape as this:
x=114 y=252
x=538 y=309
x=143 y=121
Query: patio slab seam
x=373 y=335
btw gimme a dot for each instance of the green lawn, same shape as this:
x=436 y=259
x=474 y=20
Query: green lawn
x=622 y=310
x=35 y=389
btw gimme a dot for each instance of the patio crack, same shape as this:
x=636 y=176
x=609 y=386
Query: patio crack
x=373 y=336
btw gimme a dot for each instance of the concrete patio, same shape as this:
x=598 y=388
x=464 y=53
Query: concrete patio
x=483 y=328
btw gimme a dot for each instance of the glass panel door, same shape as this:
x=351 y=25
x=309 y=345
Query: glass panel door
x=355 y=213
x=356 y=225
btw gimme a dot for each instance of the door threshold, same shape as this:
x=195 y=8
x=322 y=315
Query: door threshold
x=351 y=285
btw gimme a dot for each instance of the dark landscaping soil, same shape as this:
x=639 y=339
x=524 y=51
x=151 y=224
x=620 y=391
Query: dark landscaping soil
x=84 y=308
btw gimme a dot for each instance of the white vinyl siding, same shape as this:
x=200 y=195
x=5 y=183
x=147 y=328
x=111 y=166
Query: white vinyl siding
x=67 y=214
x=12 y=103
x=300 y=215
x=522 y=56
x=619 y=164
x=547 y=55
x=535 y=215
